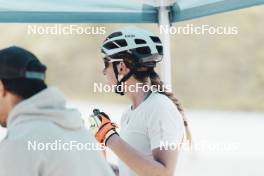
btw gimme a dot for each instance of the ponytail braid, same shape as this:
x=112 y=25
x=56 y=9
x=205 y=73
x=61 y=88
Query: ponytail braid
x=155 y=80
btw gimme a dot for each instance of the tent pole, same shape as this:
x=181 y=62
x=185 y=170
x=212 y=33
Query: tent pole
x=165 y=37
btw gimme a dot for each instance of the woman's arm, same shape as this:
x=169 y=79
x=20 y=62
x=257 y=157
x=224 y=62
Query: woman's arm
x=163 y=164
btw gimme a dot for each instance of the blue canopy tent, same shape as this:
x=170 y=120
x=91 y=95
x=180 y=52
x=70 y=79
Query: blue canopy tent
x=163 y=12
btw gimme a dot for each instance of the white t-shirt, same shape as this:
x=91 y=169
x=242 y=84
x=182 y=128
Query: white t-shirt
x=154 y=123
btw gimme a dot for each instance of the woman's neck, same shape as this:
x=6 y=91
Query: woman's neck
x=137 y=97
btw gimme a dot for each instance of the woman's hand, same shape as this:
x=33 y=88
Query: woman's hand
x=101 y=126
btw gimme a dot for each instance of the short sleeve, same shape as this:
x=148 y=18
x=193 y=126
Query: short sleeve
x=165 y=126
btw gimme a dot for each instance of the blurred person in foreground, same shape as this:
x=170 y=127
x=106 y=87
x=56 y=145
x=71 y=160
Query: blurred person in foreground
x=43 y=136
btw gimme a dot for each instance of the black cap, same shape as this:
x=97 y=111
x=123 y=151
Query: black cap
x=16 y=62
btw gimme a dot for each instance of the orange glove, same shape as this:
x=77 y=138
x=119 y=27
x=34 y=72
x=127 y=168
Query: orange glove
x=101 y=126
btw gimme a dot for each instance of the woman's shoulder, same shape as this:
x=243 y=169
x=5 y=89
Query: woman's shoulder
x=160 y=106
x=161 y=101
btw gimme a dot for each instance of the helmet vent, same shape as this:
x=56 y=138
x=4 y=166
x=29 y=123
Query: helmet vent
x=143 y=50
x=110 y=45
x=160 y=49
x=115 y=34
x=115 y=44
x=121 y=42
x=140 y=41
x=155 y=39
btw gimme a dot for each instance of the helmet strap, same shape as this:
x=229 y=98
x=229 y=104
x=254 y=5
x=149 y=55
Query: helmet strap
x=119 y=82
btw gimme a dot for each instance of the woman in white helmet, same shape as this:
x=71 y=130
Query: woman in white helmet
x=155 y=121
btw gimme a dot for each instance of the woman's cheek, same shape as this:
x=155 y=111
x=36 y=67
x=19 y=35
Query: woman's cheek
x=109 y=77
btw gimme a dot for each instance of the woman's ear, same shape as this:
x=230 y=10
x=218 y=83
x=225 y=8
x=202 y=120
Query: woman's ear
x=122 y=68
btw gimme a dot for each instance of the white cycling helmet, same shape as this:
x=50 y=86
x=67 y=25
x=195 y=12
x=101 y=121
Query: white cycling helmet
x=145 y=47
